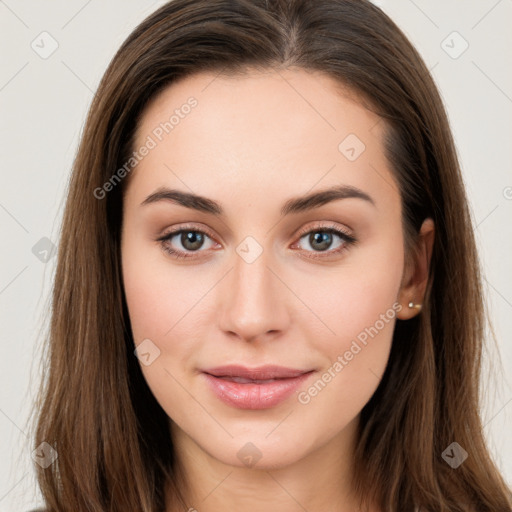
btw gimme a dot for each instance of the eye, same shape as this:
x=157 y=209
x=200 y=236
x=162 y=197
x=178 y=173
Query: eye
x=321 y=240
x=190 y=239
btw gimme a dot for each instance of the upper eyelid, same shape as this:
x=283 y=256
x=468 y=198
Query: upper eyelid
x=174 y=232
x=325 y=227
x=300 y=232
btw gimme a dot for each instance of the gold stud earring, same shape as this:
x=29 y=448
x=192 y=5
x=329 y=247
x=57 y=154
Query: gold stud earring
x=414 y=306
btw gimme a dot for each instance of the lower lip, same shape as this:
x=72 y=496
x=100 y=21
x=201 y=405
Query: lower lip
x=254 y=396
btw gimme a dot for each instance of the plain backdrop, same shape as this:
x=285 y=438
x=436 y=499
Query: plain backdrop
x=53 y=55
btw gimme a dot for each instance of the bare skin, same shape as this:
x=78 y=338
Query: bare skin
x=251 y=144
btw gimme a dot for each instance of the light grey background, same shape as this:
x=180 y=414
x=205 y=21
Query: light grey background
x=43 y=104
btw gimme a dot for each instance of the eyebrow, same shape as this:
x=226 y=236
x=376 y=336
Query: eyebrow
x=294 y=205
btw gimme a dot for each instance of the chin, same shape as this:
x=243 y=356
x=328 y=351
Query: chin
x=253 y=452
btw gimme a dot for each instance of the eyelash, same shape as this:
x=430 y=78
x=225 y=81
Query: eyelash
x=348 y=240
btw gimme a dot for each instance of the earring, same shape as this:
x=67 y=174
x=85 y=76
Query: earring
x=414 y=306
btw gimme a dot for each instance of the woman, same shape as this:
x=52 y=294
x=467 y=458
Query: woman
x=204 y=351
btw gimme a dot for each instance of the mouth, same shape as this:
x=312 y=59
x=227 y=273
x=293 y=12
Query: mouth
x=254 y=388
x=241 y=380
x=268 y=372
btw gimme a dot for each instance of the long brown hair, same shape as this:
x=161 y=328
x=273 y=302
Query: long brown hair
x=95 y=408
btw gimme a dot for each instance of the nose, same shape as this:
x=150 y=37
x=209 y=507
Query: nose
x=253 y=300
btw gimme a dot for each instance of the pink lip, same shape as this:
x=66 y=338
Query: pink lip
x=227 y=382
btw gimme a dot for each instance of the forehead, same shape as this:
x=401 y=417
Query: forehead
x=285 y=129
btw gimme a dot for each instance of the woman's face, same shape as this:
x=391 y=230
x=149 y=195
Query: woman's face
x=272 y=275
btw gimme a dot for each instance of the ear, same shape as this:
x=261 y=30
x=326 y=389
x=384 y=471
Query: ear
x=416 y=271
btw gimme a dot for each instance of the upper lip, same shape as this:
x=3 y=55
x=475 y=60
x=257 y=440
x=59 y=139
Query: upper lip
x=256 y=373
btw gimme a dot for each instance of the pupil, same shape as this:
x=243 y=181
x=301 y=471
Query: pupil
x=191 y=240
x=323 y=238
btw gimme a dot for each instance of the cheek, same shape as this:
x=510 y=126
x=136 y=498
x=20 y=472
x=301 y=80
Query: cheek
x=163 y=307
x=355 y=295
x=146 y=303
x=357 y=308
x=157 y=299
x=158 y=304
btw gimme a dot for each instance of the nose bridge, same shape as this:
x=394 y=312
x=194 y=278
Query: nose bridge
x=251 y=273
x=253 y=301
